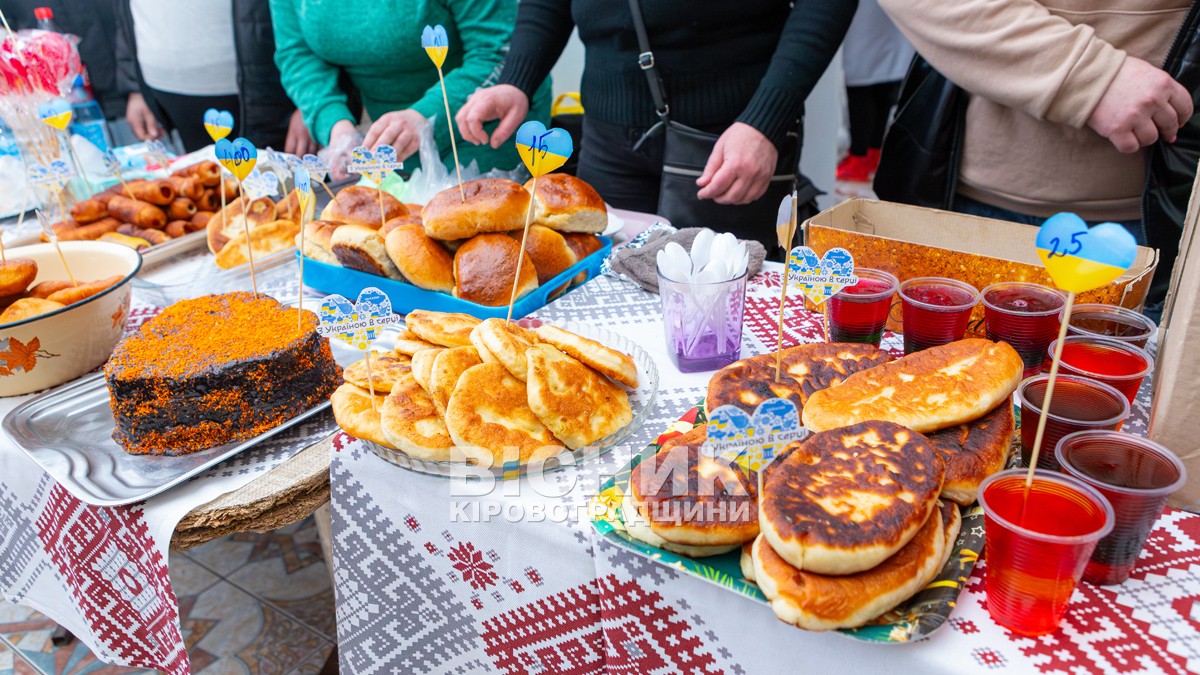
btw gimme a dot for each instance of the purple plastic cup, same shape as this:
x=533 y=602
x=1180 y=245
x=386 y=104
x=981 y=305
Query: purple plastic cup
x=703 y=322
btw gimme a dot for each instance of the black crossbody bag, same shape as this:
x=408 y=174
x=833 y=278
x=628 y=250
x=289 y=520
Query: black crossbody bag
x=686 y=152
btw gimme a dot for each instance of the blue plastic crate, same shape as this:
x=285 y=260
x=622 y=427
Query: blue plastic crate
x=406 y=297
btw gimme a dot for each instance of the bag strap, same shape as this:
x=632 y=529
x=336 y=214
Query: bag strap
x=646 y=62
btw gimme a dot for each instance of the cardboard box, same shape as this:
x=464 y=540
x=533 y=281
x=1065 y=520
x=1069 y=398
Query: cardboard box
x=1175 y=415
x=911 y=241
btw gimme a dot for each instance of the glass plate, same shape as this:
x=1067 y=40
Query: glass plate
x=641 y=401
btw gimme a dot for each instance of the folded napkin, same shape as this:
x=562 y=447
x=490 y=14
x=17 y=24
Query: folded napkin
x=640 y=264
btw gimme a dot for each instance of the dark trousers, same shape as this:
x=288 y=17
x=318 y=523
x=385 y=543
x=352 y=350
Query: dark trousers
x=185 y=114
x=870 y=107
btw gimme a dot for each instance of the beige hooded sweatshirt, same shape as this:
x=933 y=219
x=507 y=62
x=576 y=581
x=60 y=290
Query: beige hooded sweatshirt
x=1036 y=70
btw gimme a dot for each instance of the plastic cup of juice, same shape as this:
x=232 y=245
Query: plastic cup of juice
x=936 y=311
x=859 y=313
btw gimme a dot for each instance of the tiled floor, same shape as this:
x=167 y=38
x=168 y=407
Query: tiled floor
x=250 y=603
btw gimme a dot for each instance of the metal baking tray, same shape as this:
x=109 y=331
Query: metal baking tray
x=68 y=432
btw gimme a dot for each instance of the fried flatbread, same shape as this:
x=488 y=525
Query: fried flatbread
x=354 y=414
x=606 y=360
x=441 y=328
x=822 y=602
x=422 y=367
x=447 y=367
x=409 y=343
x=974 y=451
x=506 y=344
x=576 y=403
x=842 y=501
x=411 y=423
x=489 y=410
x=806 y=369
x=385 y=370
x=930 y=390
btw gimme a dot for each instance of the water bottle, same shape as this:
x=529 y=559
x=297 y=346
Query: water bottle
x=88 y=118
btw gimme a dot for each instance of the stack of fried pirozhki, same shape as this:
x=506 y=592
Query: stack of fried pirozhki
x=467 y=247
x=457 y=389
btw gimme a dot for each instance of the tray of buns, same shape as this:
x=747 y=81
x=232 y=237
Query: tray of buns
x=69 y=432
x=867 y=524
x=459 y=396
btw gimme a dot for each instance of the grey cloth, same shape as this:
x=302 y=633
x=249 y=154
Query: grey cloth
x=640 y=264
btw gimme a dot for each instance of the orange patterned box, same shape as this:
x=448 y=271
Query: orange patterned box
x=911 y=241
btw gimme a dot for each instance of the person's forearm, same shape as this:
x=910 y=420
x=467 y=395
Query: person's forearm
x=810 y=38
x=542 y=30
x=1015 y=53
x=309 y=81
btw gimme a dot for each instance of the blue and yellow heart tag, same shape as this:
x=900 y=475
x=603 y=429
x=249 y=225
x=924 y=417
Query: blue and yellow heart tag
x=436 y=43
x=238 y=156
x=218 y=123
x=753 y=441
x=56 y=113
x=819 y=279
x=543 y=150
x=303 y=182
x=376 y=164
x=1080 y=259
x=357 y=324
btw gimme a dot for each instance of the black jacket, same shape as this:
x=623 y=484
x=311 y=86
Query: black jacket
x=264 y=109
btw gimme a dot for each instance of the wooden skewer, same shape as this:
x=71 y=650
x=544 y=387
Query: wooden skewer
x=512 y=297
x=453 y=144
x=1045 y=407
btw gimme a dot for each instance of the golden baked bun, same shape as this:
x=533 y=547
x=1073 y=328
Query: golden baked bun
x=422 y=367
x=361 y=248
x=974 y=451
x=843 y=501
x=695 y=503
x=484 y=268
x=316 y=240
x=265 y=239
x=27 y=308
x=419 y=258
x=409 y=343
x=411 y=423
x=583 y=245
x=820 y=602
x=930 y=390
x=410 y=219
x=386 y=369
x=356 y=416
x=577 y=404
x=499 y=341
x=360 y=205
x=448 y=329
x=289 y=208
x=606 y=360
x=16 y=274
x=449 y=365
x=568 y=204
x=226 y=224
x=492 y=205
x=805 y=369
x=548 y=250
x=488 y=410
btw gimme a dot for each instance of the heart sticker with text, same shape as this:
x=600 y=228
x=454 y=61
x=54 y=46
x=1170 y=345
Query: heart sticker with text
x=218 y=123
x=375 y=165
x=543 y=150
x=276 y=162
x=820 y=278
x=260 y=184
x=317 y=168
x=435 y=43
x=357 y=324
x=753 y=441
x=56 y=112
x=238 y=156
x=1079 y=259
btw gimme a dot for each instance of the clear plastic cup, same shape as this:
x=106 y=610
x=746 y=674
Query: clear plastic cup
x=1136 y=475
x=1078 y=404
x=1038 y=543
x=1026 y=316
x=859 y=313
x=703 y=322
x=1121 y=365
x=1110 y=321
x=936 y=311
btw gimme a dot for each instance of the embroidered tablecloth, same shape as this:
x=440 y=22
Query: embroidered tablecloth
x=513 y=579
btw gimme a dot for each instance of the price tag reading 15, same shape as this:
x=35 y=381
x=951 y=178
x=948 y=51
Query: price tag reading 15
x=543 y=150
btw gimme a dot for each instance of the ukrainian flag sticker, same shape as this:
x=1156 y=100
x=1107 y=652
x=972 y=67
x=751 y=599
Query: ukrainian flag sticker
x=543 y=150
x=436 y=43
x=1080 y=259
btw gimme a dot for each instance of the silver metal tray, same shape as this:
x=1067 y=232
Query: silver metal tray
x=68 y=432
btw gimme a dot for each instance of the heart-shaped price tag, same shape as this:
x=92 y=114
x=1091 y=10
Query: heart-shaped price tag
x=317 y=168
x=238 y=156
x=218 y=123
x=56 y=112
x=819 y=279
x=375 y=165
x=292 y=162
x=436 y=43
x=543 y=150
x=303 y=183
x=259 y=185
x=1080 y=259
x=357 y=324
x=753 y=441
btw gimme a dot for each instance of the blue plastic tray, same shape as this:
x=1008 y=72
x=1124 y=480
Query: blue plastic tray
x=406 y=297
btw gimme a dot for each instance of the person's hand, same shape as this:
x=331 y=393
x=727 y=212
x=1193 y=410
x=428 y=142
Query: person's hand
x=343 y=138
x=299 y=142
x=502 y=102
x=141 y=120
x=1141 y=105
x=740 y=167
x=400 y=129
